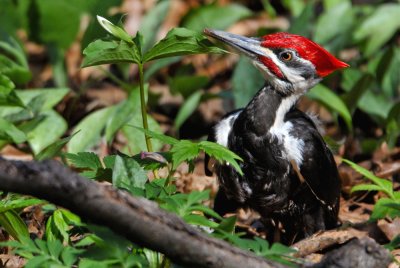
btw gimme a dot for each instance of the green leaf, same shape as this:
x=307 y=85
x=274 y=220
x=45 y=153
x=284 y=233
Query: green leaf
x=334 y=22
x=325 y=96
x=383 y=209
x=56 y=22
x=385 y=185
x=136 y=141
x=6 y=205
x=393 y=125
x=106 y=52
x=127 y=173
x=181 y=41
x=213 y=16
x=84 y=160
x=45 y=133
x=360 y=86
x=163 y=138
x=227 y=225
x=90 y=130
x=221 y=154
x=375 y=104
x=9 y=131
x=8 y=97
x=379 y=27
x=114 y=30
x=13 y=62
x=14 y=225
x=152 y=22
x=246 y=81
x=188 y=107
x=124 y=112
x=199 y=220
x=182 y=151
x=53 y=149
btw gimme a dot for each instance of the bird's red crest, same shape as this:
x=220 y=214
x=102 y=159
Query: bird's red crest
x=324 y=62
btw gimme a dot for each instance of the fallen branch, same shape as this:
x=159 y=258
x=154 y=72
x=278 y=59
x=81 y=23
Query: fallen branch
x=138 y=219
x=325 y=239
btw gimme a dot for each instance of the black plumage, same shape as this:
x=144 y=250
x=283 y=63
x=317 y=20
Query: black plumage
x=290 y=176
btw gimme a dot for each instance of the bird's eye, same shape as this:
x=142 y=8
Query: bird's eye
x=286 y=56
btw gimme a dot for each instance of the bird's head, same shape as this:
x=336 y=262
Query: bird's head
x=291 y=63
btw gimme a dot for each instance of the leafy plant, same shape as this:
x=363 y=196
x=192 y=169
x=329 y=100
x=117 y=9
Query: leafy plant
x=386 y=206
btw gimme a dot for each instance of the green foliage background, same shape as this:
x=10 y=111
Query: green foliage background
x=365 y=35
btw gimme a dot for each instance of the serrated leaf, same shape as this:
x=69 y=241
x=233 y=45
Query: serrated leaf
x=221 y=154
x=107 y=52
x=84 y=160
x=183 y=151
x=181 y=41
x=127 y=173
x=325 y=96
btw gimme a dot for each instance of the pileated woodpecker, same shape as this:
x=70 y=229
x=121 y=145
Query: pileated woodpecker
x=290 y=176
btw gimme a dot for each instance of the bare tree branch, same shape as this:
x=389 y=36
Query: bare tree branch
x=138 y=219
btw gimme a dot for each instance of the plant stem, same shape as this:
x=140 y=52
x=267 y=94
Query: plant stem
x=143 y=107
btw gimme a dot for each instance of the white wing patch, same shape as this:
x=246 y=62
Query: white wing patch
x=224 y=127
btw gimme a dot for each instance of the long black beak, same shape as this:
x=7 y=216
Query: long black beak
x=247 y=45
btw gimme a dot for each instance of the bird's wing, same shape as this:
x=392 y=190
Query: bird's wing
x=318 y=167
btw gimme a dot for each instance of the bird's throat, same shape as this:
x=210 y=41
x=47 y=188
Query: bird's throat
x=267 y=110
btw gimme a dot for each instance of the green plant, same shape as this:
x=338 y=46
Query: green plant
x=386 y=206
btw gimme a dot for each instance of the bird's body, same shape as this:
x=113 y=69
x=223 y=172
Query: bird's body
x=289 y=174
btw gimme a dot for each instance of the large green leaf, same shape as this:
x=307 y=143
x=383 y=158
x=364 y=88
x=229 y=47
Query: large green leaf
x=47 y=131
x=379 y=27
x=56 y=22
x=136 y=142
x=334 y=22
x=8 y=131
x=329 y=99
x=181 y=41
x=375 y=104
x=105 y=52
x=13 y=224
x=90 y=130
x=214 y=16
x=127 y=173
